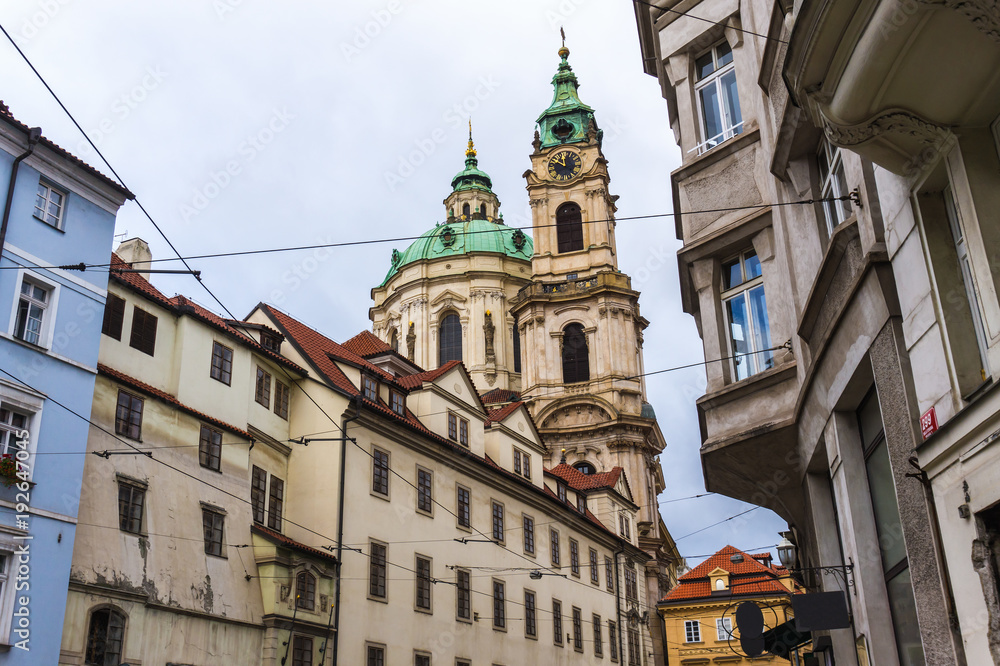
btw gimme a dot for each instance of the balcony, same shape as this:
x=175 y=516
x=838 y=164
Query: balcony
x=865 y=69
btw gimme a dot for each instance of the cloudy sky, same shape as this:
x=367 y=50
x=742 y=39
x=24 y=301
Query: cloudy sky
x=245 y=124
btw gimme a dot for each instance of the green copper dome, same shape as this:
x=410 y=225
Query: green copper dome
x=460 y=237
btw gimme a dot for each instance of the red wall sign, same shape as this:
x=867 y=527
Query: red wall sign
x=928 y=423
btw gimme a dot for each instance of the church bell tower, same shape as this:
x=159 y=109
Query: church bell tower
x=580 y=328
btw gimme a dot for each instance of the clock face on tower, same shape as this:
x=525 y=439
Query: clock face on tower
x=564 y=165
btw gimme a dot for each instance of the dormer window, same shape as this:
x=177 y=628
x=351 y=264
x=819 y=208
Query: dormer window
x=585 y=468
x=561 y=492
x=522 y=463
x=581 y=502
x=458 y=429
x=397 y=402
x=270 y=341
x=370 y=388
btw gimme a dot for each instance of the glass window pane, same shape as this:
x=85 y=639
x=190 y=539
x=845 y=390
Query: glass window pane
x=904 y=619
x=761 y=331
x=725 y=54
x=883 y=492
x=703 y=66
x=841 y=190
x=732 y=102
x=710 y=112
x=870 y=420
x=736 y=311
x=731 y=274
x=751 y=265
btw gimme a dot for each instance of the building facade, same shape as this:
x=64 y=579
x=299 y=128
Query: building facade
x=57 y=211
x=700 y=613
x=260 y=494
x=849 y=290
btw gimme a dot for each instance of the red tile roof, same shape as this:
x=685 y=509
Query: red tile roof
x=183 y=305
x=499 y=414
x=417 y=380
x=9 y=117
x=577 y=480
x=165 y=397
x=746 y=578
x=366 y=344
x=499 y=396
x=277 y=537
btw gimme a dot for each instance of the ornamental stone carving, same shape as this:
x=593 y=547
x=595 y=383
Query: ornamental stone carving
x=889 y=122
x=489 y=330
x=411 y=342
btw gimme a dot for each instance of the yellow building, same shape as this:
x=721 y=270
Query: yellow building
x=699 y=614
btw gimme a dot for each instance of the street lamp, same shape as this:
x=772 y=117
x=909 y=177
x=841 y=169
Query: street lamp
x=786 y=553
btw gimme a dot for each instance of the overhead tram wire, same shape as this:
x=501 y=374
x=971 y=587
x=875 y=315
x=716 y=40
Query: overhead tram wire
x=197 y=275
x=718 y=23
x=396 y=239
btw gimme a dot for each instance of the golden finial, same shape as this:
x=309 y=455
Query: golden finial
x=471 y=150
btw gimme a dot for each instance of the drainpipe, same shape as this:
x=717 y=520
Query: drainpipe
x=340 y=523
x=34 y=136
x=618 y=607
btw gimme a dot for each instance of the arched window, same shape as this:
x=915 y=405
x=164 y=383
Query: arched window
x=585 y=467
x=450 y=339
x=105 y=636
x=394 y=340
x=466 y=210
x=575 y=360
x=569 y=228
x=517 y=347
x=482 y=210
x=305 y=591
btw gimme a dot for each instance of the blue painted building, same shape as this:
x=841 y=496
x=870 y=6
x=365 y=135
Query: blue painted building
x=56 y=211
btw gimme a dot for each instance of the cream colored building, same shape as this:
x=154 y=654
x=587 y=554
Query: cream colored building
x=164 y=562
x=865 y=329
x=550 y=320
x=457 y=544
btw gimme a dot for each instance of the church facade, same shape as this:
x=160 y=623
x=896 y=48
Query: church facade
x=550 y=320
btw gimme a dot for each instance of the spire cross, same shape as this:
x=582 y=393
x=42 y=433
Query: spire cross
x=563 y=33
x=470 y=151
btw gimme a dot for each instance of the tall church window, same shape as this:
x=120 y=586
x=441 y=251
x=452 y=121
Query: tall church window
x=466 y=210
x=569 y=228
x=517 y=346
x=450 y=339
x=394 y=340
x=482 y=210
x=575 y=359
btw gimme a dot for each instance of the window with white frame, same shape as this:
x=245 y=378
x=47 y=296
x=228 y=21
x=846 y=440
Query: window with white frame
x=692 y=631
x=833 y=184
x=50 y=204
x=723 y=628
x=746 y=315
x=968 y=279
x=12 y=423
x=718 y=99
x=32 y=307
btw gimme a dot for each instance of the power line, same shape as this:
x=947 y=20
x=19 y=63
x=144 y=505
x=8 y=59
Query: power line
x=395 y=239
x=725 y=520
x=787 y=345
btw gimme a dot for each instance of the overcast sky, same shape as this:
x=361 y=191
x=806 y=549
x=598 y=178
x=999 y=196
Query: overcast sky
x=245 y=124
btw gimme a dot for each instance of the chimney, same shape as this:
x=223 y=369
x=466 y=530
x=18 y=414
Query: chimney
x=135 y=252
